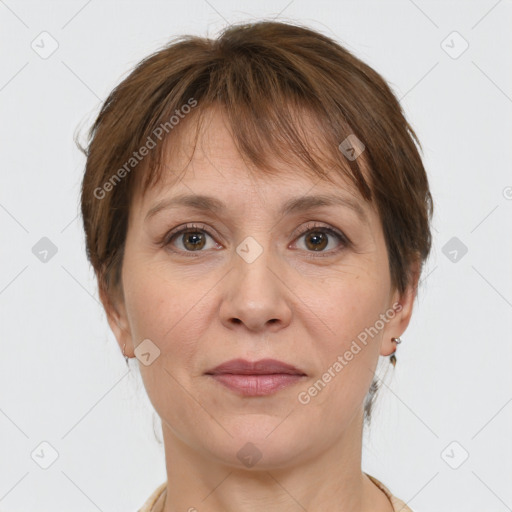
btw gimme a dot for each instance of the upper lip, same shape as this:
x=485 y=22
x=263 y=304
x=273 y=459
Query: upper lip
x=261 y=367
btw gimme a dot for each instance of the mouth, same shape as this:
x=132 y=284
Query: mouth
x=256 y=378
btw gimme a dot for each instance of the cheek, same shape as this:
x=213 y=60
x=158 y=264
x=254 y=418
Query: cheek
x=348 y=306
x=174 y=312
x=164 y=312
x=158 y=305
x=350 y=350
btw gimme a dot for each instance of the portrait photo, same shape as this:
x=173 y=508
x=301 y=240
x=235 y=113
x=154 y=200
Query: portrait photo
x=256 y=256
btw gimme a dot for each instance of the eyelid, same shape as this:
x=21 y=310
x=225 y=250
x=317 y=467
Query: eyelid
x=190 y=226
x=312 y=225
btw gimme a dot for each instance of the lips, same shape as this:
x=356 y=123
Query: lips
x=256 y=378
x=261 y=367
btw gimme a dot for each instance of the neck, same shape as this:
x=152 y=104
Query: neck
x=331 y=480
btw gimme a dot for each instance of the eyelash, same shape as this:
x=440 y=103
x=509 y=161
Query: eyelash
x=309 y=227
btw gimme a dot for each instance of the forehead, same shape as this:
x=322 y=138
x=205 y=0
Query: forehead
x=202 y=167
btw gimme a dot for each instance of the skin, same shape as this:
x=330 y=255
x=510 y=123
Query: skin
x=212 y=306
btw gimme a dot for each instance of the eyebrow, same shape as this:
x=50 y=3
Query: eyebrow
x=298 y=204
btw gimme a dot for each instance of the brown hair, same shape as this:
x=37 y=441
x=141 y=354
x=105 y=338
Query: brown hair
x=264 y=76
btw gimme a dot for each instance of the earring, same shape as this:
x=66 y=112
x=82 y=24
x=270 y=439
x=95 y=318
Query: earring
x=125 y=356
x=392 y=357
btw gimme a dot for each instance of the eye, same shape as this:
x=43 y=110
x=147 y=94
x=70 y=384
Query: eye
x=318 y=237
x=192 y=238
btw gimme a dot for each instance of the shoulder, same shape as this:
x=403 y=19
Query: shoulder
x=398 y=504
x=156 y=501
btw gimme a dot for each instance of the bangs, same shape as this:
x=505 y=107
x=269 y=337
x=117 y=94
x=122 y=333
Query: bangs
x=274 y=115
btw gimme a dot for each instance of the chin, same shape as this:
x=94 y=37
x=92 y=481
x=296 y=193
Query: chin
x=258 y=444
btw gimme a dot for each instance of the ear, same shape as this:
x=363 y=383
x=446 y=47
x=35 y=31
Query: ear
x=402 y=304
x=113 y=303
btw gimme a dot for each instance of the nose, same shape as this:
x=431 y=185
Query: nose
x=255 y=295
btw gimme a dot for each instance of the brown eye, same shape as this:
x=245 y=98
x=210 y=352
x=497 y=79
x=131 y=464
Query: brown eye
x=193 y=240
x=316 y=240
x=320 y=238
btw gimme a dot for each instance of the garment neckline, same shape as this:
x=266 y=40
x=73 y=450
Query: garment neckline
x=156 y=501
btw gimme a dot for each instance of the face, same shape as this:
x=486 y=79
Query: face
x=250 y=280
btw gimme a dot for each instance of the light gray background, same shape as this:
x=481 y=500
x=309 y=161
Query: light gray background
x=63 y=379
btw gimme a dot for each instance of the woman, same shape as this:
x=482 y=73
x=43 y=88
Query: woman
x=257 y=215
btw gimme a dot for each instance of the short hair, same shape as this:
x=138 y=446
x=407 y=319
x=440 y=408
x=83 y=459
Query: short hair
x=267 y=77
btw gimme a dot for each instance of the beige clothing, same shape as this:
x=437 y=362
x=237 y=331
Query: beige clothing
x=155 y=502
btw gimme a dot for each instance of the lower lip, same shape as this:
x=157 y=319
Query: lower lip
x=257 y=385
